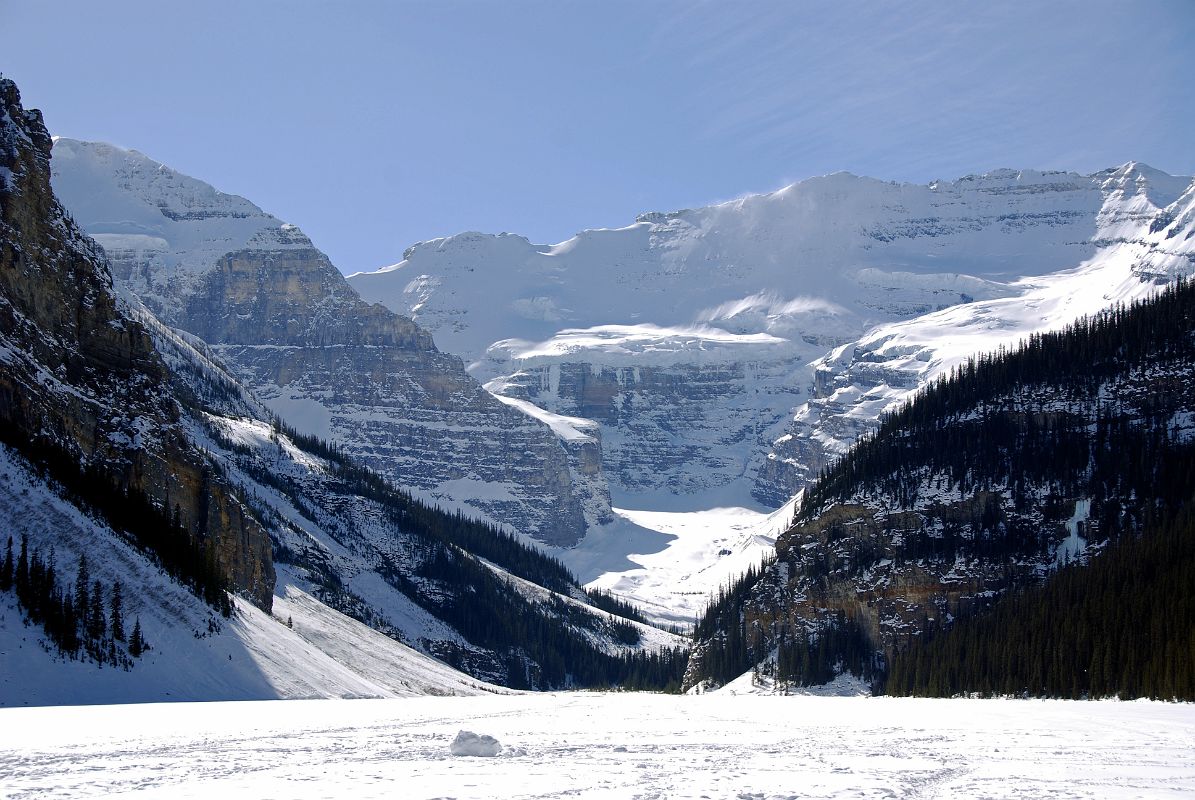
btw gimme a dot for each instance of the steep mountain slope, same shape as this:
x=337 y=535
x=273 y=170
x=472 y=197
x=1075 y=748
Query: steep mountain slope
x=688 y=336
x=1146 y=237
x=304 y=649
x=276 y=310
x=1019 y=463
x=82 y=387
x=448 y=586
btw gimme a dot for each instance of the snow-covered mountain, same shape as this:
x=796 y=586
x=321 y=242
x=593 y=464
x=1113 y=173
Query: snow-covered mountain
x=707 y=358
x=693 y=338
x=282 y=316
x=141 y=482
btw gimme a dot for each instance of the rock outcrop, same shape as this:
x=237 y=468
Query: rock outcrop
x=683 y=429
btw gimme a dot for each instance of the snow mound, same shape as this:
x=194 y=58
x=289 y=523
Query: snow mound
x=468 y=743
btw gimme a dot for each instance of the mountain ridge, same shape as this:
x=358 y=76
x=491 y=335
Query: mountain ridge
x=275 y=309
x=741 y=297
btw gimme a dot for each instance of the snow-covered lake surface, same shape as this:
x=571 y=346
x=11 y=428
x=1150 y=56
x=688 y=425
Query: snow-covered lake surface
x=603 y=745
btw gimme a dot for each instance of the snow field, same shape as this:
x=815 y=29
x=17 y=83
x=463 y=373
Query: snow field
x=669 y=563
x=585 y=745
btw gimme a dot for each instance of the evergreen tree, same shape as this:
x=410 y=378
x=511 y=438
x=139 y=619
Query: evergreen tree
x=70 y=626
x=137 y=644
x=20 y=576
x=82 y=602
x=116 y=613
x=7 y=569
x=96 y=624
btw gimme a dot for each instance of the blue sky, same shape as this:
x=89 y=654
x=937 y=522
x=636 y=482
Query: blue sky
x=373 y=125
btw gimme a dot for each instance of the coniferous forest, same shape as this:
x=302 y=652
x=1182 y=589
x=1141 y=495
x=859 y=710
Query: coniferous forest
x=978 y=478
x=87 y=622
x=1123 y=625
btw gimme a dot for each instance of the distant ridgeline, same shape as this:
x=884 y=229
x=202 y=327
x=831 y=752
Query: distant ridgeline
x=1025 y=526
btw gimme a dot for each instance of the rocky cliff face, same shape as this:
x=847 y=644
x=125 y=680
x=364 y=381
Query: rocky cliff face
x=279 y=313
x=81 y=374
x=681 y=429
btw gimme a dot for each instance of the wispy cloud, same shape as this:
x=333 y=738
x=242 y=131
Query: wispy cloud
x=922 y=86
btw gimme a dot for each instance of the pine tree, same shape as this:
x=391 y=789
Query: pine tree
x=96 y=625
x=7 y=569
x=137 y=644
x=20 y=576
x=117 y=613
x=70 y=626
x=82 y=580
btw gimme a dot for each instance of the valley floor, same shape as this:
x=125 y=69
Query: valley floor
x=591 y=745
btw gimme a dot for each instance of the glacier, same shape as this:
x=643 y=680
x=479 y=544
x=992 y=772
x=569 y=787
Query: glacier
x=722 y=356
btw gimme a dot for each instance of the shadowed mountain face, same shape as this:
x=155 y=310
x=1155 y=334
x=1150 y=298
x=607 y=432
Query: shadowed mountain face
x=81 y=377
x=284 y=318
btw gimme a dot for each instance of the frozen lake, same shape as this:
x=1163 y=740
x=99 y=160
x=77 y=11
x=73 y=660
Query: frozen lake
x=603 y=745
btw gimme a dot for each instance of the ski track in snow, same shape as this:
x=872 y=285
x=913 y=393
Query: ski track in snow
x=588 y=745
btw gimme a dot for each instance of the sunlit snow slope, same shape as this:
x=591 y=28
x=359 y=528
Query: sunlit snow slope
x=304 y=649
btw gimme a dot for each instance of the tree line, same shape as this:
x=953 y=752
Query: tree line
x=189 y=557
x=86 y=622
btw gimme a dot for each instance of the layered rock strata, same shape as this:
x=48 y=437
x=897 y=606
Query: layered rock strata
x=283 y=317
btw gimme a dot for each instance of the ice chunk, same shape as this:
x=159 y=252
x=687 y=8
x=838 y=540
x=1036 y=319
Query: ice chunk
x=468 y=743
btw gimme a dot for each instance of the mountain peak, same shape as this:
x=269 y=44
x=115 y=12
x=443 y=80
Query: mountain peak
x=1135 y=177
x=162 y=190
